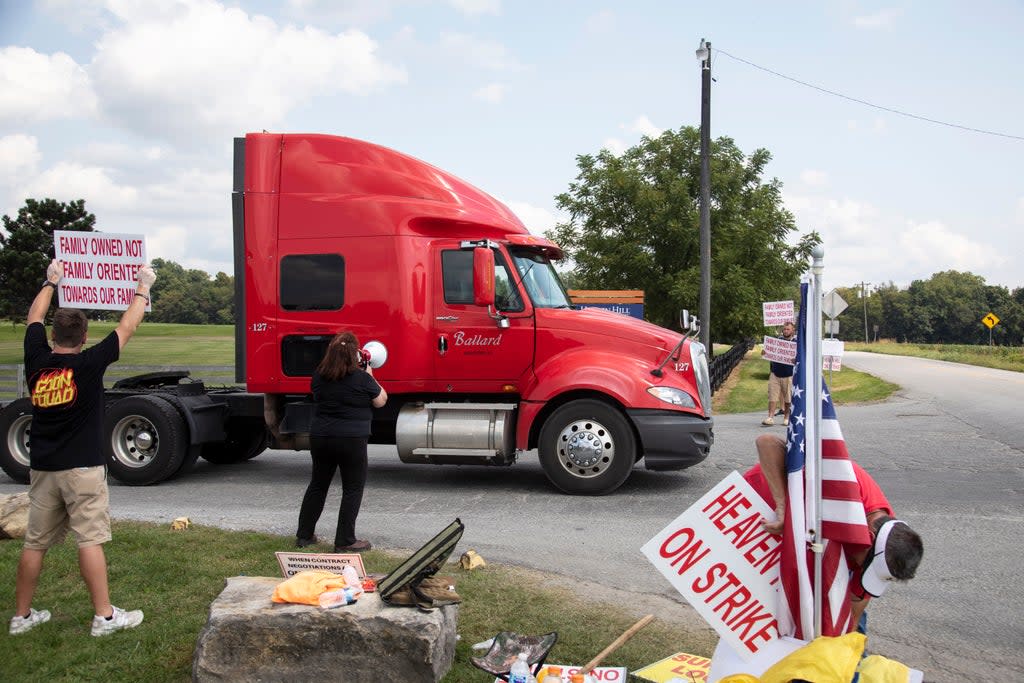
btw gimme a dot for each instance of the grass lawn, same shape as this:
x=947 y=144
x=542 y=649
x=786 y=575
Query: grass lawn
x=999 y=357
x=174 y=576
x=746 y=391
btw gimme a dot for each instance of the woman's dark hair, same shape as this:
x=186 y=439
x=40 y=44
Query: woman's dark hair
x=341 y=358
x=69 y=327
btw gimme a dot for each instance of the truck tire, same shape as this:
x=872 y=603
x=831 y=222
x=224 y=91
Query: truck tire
x=587 y=447
x=16 y=427
x=146 y=440
x=246 y=438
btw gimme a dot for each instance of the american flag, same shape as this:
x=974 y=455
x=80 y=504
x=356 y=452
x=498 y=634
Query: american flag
x=843 y=518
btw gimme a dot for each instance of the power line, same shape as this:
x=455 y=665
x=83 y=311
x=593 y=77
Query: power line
x=866 y=103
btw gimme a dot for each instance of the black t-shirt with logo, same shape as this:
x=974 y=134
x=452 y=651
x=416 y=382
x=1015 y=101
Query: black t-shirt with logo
x=67 y=401
x=344 y=407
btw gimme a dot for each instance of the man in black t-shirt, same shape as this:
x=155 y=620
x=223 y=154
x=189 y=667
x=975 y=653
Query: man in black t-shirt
x=68 y=487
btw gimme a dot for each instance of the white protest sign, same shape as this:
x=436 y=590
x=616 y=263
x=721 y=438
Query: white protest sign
x=100 y=268
x=717 y=555
x=293 y=563
x=832 y=354
x=780 y=350
x=777 y=312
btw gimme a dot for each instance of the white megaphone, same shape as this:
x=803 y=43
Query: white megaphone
x=375 y=353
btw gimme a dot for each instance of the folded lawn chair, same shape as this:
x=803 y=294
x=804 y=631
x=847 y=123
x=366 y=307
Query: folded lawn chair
x=403 y=585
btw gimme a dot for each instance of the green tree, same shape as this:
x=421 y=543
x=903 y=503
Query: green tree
x=191 y=296
x=634 y=219
x=26 y=247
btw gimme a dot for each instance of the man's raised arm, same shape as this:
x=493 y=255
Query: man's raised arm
x=132 y=316
x=41 y=304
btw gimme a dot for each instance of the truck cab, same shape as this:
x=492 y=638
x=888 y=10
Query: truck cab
x=486 y=355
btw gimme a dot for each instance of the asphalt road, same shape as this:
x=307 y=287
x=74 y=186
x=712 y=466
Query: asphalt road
x=947 y=450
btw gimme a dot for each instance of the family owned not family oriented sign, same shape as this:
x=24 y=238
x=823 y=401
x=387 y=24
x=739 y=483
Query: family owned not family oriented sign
x=100 y=269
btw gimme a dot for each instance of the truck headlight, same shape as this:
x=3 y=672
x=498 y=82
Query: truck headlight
x=676 y=397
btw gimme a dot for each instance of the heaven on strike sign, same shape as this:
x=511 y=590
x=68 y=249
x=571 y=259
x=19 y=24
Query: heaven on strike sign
x=100 y=268
x=717 y=555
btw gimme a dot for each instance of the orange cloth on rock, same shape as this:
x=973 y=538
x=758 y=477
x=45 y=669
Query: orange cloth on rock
x=305 y=587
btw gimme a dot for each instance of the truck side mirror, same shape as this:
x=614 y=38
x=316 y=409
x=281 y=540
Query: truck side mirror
x=684 y=319
x=483 y=276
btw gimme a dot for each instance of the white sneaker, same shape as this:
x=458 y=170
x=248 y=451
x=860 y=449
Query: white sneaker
x=767 y=422
x=120 y=620
x=20 y=624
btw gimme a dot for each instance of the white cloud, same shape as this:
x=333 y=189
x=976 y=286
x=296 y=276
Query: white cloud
x=865 y=244
x=537 y=219
x=486 y=54
x=67 y=181
x=493 y=92
x=19 y=157
x=615 y=146
x=814 y=177
x=643 y=125
x=882 y=19
x=603 y=22
x=474 y=7
x=38 y=87
x=195 y=68
x=1020 y=210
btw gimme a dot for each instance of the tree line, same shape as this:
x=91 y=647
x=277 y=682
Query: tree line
x=947 y=308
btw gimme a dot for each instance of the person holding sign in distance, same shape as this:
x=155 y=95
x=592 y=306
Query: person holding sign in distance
x=780 y=382
x=68 y=489
x=895 y=550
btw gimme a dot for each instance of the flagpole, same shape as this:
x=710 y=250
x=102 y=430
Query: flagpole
x=814 y=383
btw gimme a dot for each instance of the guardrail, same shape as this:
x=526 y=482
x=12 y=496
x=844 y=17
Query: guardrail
x=12 y=377
x=722 y=365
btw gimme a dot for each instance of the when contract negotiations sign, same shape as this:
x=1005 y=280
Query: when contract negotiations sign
x=100 y=268
x=720 y=559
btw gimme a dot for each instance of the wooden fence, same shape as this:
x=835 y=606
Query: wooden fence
x=12 y=377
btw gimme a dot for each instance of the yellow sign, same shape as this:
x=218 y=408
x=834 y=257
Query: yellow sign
x=681 y=665
x=990 y=320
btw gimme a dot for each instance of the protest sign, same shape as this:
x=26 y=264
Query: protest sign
x=780 y=350
x=718 y=556
x=679 y=667
x=100 y=268
x=293 y=563
x=777 y=312
x=832 y=354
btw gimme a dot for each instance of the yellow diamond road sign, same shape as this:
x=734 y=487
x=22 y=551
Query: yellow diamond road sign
x=990 y=320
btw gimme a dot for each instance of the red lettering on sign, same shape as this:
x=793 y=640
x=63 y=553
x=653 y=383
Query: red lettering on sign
x=685 y=555
x=726 y=506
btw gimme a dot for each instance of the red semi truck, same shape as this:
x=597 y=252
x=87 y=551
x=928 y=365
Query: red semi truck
x=486 y=356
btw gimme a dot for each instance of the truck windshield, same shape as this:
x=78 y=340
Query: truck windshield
x=540 y=278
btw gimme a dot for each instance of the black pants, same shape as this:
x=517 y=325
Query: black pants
x=329 y=454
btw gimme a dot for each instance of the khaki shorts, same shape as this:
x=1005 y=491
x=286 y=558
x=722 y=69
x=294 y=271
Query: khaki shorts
x=70 y=499
x=779 y=389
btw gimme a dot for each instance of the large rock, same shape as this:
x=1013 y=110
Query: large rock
x=249 y=638
x=13 y=515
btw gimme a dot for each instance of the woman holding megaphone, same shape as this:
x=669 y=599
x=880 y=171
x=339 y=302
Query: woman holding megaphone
x=344 y=395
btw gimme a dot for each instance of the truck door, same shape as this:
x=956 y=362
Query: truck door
x=472 y=353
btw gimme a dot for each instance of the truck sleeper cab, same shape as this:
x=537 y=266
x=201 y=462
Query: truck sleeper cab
x=486 y=355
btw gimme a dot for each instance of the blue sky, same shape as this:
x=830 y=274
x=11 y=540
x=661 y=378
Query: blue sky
x=132 y=105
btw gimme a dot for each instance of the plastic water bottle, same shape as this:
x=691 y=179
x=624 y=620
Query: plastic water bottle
x=337 y=598
x=520 y=671
x=351 y=577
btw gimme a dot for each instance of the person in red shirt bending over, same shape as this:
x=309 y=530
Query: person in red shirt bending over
x=896 y=549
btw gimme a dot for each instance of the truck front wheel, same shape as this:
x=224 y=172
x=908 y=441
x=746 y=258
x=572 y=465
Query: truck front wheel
x=146 y=441
x=16 y=427
x=587 y=447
